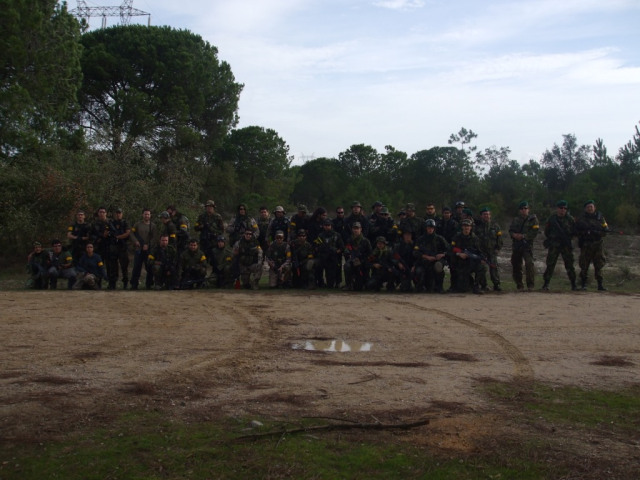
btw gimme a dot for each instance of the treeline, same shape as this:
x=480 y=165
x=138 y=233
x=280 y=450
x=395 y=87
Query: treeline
x=135 y=116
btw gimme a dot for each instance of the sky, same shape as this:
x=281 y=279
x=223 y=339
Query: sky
x=329 y=74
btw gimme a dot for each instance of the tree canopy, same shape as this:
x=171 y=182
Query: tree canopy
x=156 y=90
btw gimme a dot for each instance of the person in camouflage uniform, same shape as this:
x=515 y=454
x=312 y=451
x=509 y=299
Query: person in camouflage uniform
x=328 y=251
x=300 y=221
x=411 y=222
x=591 y=227
x=118 y=258
x=381 y=225
x=559 y=230
x=38 y=267
x=210 y=225
x=182 y=228
x=357 y=216
x=403 y=262
x=248 y=256
x=193 y=266
x=99 y=235
x=278 y=258
x=163 y=264
x=523 y=230
x=241 y=222
x=356 y=253
x=221 y=261
x=79 y=234
x=491 y=242
x=470 y=268
x=169 y=229
x=303 y=264
x=60 y=266
x=381 y=262
x=279 y=223
x=430 y=253
x=144 y=235
x=90 y=270
x=263 y=221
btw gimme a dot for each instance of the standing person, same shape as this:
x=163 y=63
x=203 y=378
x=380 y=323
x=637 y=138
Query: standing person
x=559 y=231
x=278 y=258
x=263 y=221
x=169 y=229
x=316 y=223
x=119 y=232
x=356 y=253
x=99 y=235
x=339 y=226
x=248 y=258
x=60 y=265
x=90 y=270
x=411 y=222
x=465 y=247
x=193 y=266
x=240 y=223
x=523 y=230
x=491 y=242
x=182 y=228
x=79 y=233
x=447 y=226
x=211 y=226
x=357 y=217
x=592 y=228
x=328 y=248
x=280 y=223
x=163 y=262
x=38 y=267
x=381 y=225
x=144 y=237
x=430 y=213
x=300 y=221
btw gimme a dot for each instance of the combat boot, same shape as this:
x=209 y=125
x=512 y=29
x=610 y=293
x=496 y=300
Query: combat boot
x=583 y=285
x=574 y=287
x=545 y=287
x=601 y=287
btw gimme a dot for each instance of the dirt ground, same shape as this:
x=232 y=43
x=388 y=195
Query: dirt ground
x=74 y=359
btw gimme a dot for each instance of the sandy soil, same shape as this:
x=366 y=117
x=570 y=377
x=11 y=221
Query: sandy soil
x=76 y=358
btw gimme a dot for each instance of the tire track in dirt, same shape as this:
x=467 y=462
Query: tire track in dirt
x=523 y=371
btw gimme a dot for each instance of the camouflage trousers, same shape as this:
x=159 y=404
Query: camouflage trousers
x=552 y=258
x=518 y=256
x=250 y=275
x=592 y=252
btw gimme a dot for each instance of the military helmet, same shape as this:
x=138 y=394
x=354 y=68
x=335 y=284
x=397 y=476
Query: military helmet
x=430 y=223
x=220 y=238
x=381 y=239
x=279 y=208
x=210 y=203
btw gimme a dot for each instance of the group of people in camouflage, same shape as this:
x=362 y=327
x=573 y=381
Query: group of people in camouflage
x=354 y=252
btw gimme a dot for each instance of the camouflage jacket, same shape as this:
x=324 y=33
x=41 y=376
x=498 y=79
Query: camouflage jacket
x=559 y=231
x=490 y=235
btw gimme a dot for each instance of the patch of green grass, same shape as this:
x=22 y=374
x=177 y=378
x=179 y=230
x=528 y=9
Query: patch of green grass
x=619 y=410
x=147 y=446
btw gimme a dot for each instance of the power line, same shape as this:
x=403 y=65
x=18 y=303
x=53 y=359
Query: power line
x=124 y=11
